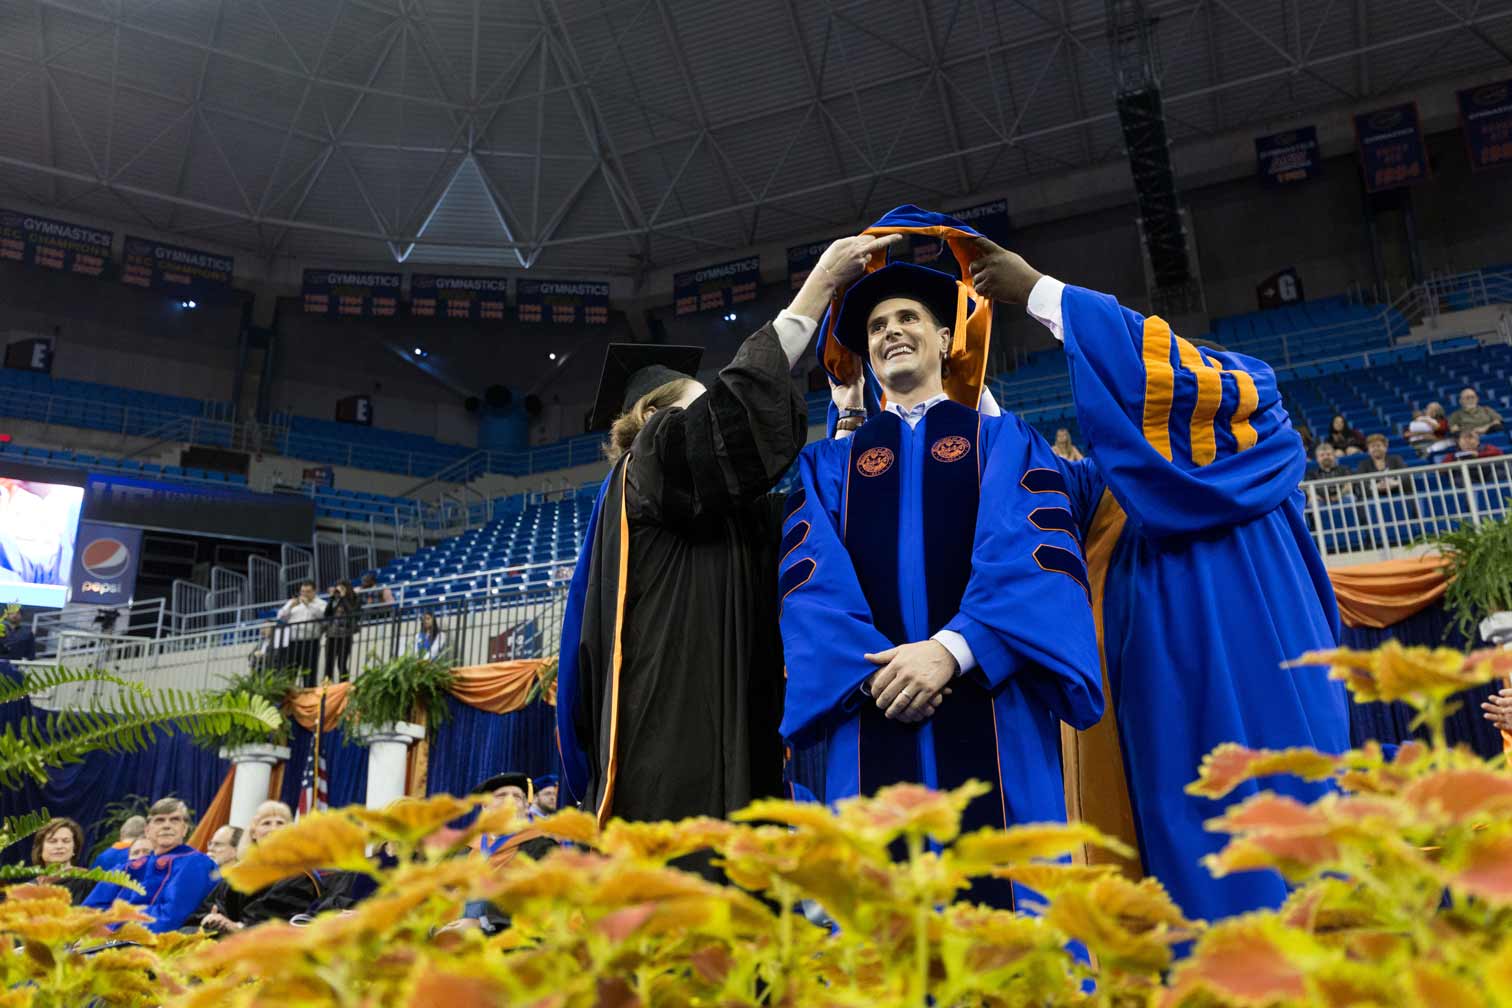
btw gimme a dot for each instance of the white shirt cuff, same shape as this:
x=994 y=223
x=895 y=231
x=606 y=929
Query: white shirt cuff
x=795 y=332
x=958 y=648
x=1045 y=304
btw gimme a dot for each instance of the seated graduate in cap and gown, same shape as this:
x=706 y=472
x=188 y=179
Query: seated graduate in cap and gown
x=669 y=689
x=1205 y=581
x=935 y=616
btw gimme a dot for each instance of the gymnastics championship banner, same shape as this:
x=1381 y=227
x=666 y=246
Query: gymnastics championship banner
x=1486 y=116
x=340 y=294
x=1392 y=152
x=718 y=286
x=152 y=264
x=562 y=301
x=990 y=219
x=802 y=259
x=1285 y=158
x=55 y=244
x=458 y=297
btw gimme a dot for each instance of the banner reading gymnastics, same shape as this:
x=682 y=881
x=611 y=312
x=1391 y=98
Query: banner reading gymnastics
x=1486 y=117
x=563 y=301
x=990 y=219
x=1391 y=147
x=1285 y=158
x=801 y=261
x=458 y=297
x=154 y=265
x=54 y=244
x=342 y=294
x=718 y=286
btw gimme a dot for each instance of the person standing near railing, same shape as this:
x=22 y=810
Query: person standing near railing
x=302 y=618
x=343 y=610
x=431 y=641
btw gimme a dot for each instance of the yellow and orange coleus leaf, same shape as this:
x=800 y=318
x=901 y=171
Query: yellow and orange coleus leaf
x=988 y=849
x=1483 y=867
x=661 y=841
x=409 y=820
x=909 y=809
x=1461 y=795
x=1416 y=675
x=570 y=824
x=1128 y=925
x=1251 y=960
x=1231 y=764
x=319 y=841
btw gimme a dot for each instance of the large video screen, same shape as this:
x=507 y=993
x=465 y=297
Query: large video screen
x=39 y=519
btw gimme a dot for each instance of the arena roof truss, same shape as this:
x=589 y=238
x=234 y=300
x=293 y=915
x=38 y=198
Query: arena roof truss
x=610 y=136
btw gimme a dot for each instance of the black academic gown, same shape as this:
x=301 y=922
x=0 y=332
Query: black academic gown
x=679 y=659
x=281 y=900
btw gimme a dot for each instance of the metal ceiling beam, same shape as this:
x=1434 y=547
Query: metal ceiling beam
x=49 y=151
x=304 y=98
x=816 y=88
x=947 y=110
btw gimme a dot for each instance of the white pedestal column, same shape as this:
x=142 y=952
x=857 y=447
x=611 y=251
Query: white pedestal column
x=388 y=749
x=1497 y=629
x=254 y=769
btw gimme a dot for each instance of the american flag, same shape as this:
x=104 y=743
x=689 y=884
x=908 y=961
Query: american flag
x=315 y=784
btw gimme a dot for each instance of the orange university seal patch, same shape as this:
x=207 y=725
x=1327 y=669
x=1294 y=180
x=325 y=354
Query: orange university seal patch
x=950 y=449
x=874 y=461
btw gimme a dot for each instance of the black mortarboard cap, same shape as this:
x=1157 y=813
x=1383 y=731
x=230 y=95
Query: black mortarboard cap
x=633 y=369
x=935 y=290
x=492 y=784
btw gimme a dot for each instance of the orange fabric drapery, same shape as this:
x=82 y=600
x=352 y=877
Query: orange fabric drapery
x=1380 y=594
x=216 y=816
x=498 y=687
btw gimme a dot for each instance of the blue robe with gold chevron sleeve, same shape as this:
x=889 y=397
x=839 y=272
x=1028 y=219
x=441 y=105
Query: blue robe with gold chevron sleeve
x=960 y=523
x=1204 y=582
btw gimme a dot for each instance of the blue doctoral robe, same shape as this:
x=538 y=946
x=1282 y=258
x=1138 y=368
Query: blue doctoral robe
x=1204 y=582
x=113 y=857
x=176 y=884
x=885 y=544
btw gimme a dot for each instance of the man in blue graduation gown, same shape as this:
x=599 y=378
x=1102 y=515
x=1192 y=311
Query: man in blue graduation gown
x=1204 y=579
x=935 y=616
x=175 y=877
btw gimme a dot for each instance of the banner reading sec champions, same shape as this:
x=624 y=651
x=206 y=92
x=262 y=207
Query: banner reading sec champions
x=54 y=244
x=105 y=563
x=1392 y=152
x=563 y=301
x=345 y=294
x=458 y=297
x=152 y=264
x=1486 y=117
x=1285 y=158
x=718 y=286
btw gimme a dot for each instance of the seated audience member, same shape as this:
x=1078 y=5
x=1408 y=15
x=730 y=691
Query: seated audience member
x=174 y=876
x=60 y=844
x=1470 y=447
x=1429 y=430
x=1309 y=441
x=231 y=911
x=512 y=789
x=118 y=853
x=545 y=803
x=224 y=845
x=1345 y=439
x=1473 y=416
x=1326 y=466
x=430 y=642
x=373 y=593
x=1065 y=447
x=18 y=644
x=1378 y=461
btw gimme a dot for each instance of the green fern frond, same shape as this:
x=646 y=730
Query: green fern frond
x=41 y=680
x=29 y=747
x=13 y=873
x=13 y=828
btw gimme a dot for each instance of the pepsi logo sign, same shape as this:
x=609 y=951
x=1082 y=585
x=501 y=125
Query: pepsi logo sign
x=106 y=558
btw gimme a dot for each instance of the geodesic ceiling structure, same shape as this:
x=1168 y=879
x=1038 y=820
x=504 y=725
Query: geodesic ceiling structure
x=611 y=136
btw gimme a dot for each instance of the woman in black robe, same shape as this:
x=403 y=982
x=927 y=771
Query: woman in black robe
x=670 y=688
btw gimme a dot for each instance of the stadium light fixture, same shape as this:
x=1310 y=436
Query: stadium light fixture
x=187 y=304
x=421 y=352
x=551 y=356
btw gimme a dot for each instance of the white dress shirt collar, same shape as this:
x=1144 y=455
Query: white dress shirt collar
x=913 y=415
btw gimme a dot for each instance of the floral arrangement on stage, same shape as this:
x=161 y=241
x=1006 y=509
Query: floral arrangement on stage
x=1403 y=897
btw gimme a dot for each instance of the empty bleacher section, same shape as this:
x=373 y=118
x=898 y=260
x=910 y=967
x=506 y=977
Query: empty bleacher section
x=31 y=395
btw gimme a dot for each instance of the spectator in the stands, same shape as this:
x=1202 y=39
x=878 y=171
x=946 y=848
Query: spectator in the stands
x=343 y=610
x=1378 y=461
x=1326 y=466
x=1065 y=447
x=301 y=619
x=1309 y=440
x=1429 y=430
x=18 y=644
x=1344 y=438
x=60 y=844
x=1472 y=416
x=231 y=911
x=174 y=877
x=118 y=853
x=1470 y=447
x=373 y=593
x=224 y=844
x=430 y=642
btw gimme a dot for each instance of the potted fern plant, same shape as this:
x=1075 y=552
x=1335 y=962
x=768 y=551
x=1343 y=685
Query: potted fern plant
x=382 y=705
x=254 y=750
x=1478 y=564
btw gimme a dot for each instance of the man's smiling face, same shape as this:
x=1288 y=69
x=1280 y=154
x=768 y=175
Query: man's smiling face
x=905 y=343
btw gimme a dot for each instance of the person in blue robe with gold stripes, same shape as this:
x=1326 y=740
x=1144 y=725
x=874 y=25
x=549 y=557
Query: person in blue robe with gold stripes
x=936 y=618
x=1204 y=580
